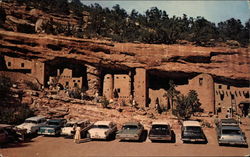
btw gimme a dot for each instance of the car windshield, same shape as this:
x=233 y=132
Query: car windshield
x=130 y=127
x=69 y=125
x=231 y=132
x=31 y=121
x=101 y=126
x=193 y=129
x=160 y=127
x=53 y=123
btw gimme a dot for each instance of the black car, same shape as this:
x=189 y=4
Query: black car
x=191 y=131
x=160 y=131
x=9 y=134
x=52 y=127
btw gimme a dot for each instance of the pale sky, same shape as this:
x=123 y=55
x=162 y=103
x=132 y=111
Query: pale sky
x=214 y=11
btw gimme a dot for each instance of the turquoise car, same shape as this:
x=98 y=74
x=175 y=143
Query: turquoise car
x=52 y=127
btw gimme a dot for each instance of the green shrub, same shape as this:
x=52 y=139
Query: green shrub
x=104 y=102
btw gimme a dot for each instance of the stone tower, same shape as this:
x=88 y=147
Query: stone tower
x=108 y=86
x=140 y=87
x=204 y=85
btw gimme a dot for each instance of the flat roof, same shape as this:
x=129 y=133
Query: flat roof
x=160 y=123
x=191 y=123
x=102 y=123
x=35 y=118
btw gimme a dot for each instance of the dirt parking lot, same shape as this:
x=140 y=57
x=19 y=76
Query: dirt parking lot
x=62 y=147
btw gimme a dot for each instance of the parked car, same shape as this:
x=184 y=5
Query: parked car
x=230 y=133
x=191 y=131
x=8 y=134
x=32 y=124
x=52 y=127
x=102 y=130
x=160 y=131
x=69 y=127
x=130 y=131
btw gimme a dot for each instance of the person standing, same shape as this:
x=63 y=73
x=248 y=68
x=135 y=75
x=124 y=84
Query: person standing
x=77 y=136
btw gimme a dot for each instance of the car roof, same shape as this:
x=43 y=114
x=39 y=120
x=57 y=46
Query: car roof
x=230 y=127
x=229 y=120
x=56 y=120
x=160 y=123
x=35 y=118
x=77 y=121
x=191 y=123
x=131 y=123
x=102 y=122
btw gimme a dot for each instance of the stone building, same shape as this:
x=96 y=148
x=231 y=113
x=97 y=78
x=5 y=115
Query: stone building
x=230 y=97
x=34 y=68
x=66 y=79
x=140 y=87
x=203 y=84
x=117 y=86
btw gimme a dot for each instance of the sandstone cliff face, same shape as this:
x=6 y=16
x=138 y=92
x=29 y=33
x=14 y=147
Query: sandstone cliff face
x=224 y=64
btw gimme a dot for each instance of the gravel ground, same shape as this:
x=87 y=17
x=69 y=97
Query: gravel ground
x=61 y=147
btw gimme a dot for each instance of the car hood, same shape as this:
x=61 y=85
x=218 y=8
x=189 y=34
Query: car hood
x=96 y=130
x=134 y=131
x=67 y=128
x=25 y=125
x=233 y=138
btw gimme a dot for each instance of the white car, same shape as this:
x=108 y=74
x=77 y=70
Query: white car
x=69 y=128
x=32 y=124
x=102 y=130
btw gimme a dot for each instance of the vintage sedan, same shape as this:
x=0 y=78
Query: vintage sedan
x=52 y=127
x=130 y=131
x=230 y=135
x=160 y=131
x=70 y=126
x=102 y=130
x=8 y=134
x=32 y=124
x=191 y=131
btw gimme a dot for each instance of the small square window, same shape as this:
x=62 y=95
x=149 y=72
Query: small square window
x=9 y=63
x=118 y=90
x=219 y=86
x=67 y=83
x=107 y=77
x=117 y=77
x=74 y=80
x=78 y=81
x=22 y=64
x=228 y=87
x=200 y=81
